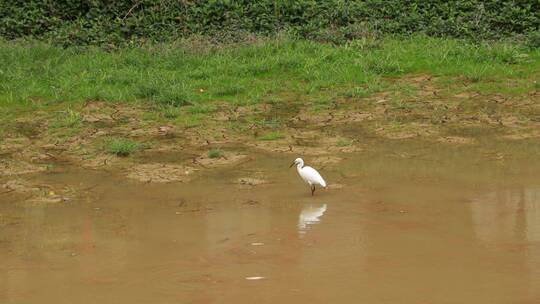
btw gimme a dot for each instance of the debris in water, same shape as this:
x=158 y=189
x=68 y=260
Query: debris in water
x=254 y=278
x=251 y=181
x=251 y=202
x=257 y=244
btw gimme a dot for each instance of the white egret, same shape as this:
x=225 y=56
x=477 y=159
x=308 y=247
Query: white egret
x=309 y=175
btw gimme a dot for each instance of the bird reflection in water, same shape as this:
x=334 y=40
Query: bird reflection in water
x=310 y=215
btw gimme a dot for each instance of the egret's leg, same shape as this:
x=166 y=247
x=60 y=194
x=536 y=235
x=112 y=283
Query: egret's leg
x=312 y=189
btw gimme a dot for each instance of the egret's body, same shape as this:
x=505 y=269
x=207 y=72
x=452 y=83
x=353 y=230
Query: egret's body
x=309 y=175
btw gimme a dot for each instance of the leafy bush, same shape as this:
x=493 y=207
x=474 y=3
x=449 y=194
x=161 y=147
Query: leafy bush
x=533 y=39
x=111 y=23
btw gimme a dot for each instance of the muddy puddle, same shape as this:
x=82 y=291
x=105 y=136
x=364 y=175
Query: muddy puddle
x=418 y=226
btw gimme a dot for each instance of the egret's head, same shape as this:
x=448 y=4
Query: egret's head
x=297 y=162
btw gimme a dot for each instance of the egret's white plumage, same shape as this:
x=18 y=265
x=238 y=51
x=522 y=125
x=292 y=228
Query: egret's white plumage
x=309 y=175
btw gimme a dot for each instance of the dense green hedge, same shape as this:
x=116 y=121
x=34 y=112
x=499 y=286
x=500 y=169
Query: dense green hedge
x=116 y=22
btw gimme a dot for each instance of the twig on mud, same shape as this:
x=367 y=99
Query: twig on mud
x=250 y=202
x=331 y=117
x=5 y=192
x=51 y=156
x=90 y=188
x=195 y=161
x=247 y=159
x=44 y=186
x=93 y=132
x=116 y=110
x=182 y=203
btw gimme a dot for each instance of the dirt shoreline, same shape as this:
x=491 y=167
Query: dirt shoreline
x=175 y=152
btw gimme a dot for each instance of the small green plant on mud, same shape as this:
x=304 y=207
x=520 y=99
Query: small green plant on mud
x=122 y=146
x=272 y=136
x=476 y=75
x=215 y=153
x=344 y=142
x=67 y=119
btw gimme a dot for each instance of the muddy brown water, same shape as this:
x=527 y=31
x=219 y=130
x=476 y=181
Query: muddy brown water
x=398 y=228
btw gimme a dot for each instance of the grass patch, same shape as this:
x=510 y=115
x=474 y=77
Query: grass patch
x=122 y=146
x=173 y=97
x=191 y=120
x=215 y=153
x=186 y=86
x=67 y=119
x=321 y=105
x=170 y=112
x=171 y=75
x=272 y=136
x=202 y=109
x=228 y=90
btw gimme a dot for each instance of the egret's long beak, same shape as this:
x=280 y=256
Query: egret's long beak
x=292 y=164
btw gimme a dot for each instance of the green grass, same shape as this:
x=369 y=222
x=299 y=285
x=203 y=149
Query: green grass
x=215 y=153
x=122 y=146
x=185 y=87
x=173 y=76
x=191 y=120
x=202 y=109
x=170 y=112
